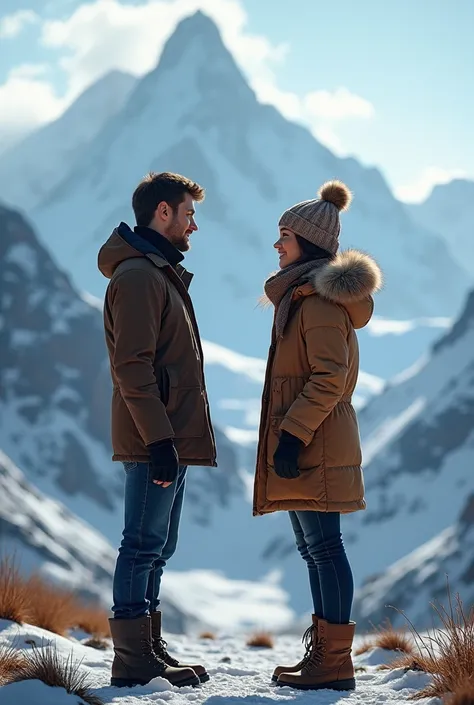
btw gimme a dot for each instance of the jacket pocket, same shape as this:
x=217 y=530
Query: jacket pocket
x=163 y=379
x=284 y=391
x=273 y=438
x=309 y=486
x=310 y=457
x=186 y=407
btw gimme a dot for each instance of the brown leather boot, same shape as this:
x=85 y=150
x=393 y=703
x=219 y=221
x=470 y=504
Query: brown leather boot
x=159 y=647
x=307 y=641
x=329 y=664
x=135 y=662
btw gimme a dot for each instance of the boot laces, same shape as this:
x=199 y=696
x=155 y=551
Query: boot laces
x=160 y=647
x=317 y=653
x=152 y=658
x=307 y=640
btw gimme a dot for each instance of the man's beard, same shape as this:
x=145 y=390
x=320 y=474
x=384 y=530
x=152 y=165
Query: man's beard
x=176 y=236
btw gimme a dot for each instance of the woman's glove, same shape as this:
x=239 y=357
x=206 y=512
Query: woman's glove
x=286 y=456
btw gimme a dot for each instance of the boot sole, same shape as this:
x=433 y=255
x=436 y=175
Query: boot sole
x=131 y=683
x=348 y=684
x=275 y=678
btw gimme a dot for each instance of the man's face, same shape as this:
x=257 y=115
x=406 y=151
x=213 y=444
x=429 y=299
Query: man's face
x=181 y=224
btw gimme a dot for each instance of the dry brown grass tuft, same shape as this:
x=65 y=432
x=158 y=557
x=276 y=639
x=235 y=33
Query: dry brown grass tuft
x=464 y=695
x=364 y=647
x=11 y=662
x=47 y=666
x=93 y=620
x=261 y=640
x=208 y=635
x=14 y=600
x=394 y=640
x=449 y=651
x=410 y=662
x=389 y=639
x=447 y=654
x=46 y=605
x=51 y=608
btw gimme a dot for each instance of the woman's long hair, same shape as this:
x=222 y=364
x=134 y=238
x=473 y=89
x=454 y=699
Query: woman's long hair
x=310 y=251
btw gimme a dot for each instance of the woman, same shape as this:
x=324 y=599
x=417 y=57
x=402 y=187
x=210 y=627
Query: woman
x=309 y=457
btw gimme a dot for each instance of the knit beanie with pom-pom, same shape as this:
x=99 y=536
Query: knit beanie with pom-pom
x=317 y=220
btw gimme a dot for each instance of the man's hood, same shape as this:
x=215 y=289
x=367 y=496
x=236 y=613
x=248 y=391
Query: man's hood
x=123 y=244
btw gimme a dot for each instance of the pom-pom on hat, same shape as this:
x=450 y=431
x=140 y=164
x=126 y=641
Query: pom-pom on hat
x=317 y=220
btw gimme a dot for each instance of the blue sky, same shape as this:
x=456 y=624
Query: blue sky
x=390 y=83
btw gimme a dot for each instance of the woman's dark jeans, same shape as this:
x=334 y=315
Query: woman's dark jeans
x=319 y=540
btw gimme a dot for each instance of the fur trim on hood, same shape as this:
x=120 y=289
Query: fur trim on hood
x=349 y=277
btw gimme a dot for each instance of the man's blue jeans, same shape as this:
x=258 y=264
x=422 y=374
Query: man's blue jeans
x=152 y=516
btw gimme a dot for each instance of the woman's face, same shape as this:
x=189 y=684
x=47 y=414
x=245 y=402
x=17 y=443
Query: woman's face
x=287 y=248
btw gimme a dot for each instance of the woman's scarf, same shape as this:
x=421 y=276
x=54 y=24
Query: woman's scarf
x=281 y=286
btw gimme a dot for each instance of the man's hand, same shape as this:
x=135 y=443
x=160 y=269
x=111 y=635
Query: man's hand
x=286 y=456
x=164 y=462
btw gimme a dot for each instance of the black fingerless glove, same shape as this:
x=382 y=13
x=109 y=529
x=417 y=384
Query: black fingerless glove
x=164 y=461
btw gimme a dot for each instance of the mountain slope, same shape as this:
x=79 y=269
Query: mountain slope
x=47 y=537
x=418 y=439
x=53 y=382
x=448 y=213
x=421 y=577
x=212 y=128
x=37 y=165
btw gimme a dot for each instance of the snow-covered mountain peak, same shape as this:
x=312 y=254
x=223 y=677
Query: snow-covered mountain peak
x=198 y=75
x=198 y=32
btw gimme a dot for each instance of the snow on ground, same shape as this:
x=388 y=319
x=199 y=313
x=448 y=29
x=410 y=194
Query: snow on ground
x=239 y=675
x=221 y=603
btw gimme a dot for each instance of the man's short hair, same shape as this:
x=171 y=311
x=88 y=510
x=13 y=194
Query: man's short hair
x=168 y=187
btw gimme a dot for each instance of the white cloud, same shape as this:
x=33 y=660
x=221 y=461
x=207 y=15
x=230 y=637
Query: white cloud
x=28 y=71
x=326 y=135
x=418 y=190
x=340 y=105
x=288 y=103
x=26 y=102
x=12 y=25
x=321 y=111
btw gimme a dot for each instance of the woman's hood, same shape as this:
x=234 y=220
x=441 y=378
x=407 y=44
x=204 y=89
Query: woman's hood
x=350 y=280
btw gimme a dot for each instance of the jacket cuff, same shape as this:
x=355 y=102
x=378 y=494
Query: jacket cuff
x=166 y=433
x=296 y=429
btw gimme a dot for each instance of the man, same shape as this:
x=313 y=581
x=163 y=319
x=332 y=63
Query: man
x=160 y=413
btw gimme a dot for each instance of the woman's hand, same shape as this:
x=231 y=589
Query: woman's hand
x=286 y=456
